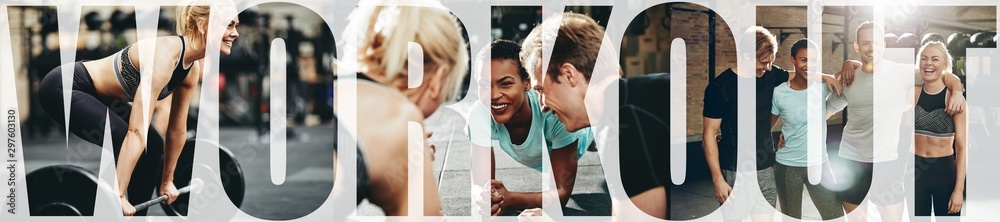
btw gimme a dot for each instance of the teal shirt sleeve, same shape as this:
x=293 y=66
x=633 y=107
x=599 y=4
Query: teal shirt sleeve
x=480 y=124
x=556 y=133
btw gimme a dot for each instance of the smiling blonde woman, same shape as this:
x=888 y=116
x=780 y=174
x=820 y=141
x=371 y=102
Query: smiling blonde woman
x=940 y=140
x=112 y=82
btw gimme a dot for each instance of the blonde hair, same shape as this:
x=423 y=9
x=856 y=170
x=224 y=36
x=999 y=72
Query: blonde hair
x=192 y=12
x=940 y=47
x=390 y=30
x=531 y=50
x=578 y=41
x=766 y=42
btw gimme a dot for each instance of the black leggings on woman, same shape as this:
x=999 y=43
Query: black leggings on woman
x=87 y=116
x=934 y=184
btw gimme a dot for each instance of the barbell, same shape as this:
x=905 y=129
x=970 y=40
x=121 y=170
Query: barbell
x=195 y=184
x=230 y=173
x=68 y=190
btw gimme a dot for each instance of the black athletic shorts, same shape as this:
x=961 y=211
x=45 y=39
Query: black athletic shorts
x=882 y=191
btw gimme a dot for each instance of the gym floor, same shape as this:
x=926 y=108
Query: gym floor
x=696 y=197
x=308 y=168
x=309 y=172
x=590 y=196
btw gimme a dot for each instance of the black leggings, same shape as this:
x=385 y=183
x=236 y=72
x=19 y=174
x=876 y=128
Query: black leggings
x=934 y=183
x=87 y=116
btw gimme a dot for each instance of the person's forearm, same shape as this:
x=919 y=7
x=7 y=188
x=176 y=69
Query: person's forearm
x=712 y=158
x=128 y=155
x=954 y=84
x=172 y=148
x=493 y=164
x=565 y=181
x=528 y=200
x=851 y=65
x=960 y=168
x=134 y=143
x=711 y=146
x=774 y=121
x=522 y=200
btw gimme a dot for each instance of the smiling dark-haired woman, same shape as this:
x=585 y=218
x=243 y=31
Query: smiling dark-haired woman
x=522 y=128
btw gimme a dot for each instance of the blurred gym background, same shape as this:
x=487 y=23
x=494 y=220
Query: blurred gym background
x=645 y=50
x=243 y=96
x=243 y=74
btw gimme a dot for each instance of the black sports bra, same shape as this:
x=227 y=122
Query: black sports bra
x=931 y=120
x=128 y=75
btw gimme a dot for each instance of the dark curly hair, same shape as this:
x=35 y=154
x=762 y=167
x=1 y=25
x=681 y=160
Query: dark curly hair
x=802 y=44
x=503 y=49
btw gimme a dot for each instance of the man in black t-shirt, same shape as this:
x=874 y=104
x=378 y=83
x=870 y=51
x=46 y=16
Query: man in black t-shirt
x=720 y=115
x=721 y=105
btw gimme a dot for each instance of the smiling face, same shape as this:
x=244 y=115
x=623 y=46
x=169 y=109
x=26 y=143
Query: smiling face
x=229 y=36
x=509 y=90
x=564 y=98
x=764 y=64
x=934 y=61
x=866 y=46
x=800 y=60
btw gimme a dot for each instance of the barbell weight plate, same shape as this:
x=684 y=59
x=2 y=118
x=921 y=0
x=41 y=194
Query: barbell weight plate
x=982 y=40
x=61 y=190
x=233 y=179
x=58 y=209
x=230 y=173
x=890 y=40
x=932 y=37
x=957 y=43
x=908 y=40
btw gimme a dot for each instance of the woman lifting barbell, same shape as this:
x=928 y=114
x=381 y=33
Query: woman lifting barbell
x=113 y=81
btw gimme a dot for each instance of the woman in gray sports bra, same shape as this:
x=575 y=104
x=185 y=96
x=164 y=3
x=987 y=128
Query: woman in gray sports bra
x=110 y=83
x=940 y=140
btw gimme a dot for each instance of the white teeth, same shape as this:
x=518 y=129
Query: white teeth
x=500 y=106
x=928 y=70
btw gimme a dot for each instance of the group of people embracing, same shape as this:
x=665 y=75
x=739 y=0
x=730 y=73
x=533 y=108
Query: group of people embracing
x=871 y=91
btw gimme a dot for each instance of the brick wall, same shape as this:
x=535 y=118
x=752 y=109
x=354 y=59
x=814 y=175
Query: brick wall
x=696 y=39
x=637 y=53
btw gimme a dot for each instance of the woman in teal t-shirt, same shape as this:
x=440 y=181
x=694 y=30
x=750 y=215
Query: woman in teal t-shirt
x=521 y=129
x=791 y=105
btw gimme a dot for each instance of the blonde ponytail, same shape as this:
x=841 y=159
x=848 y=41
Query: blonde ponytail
x=192 y=12
x=391 y=29
x=188 y=15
